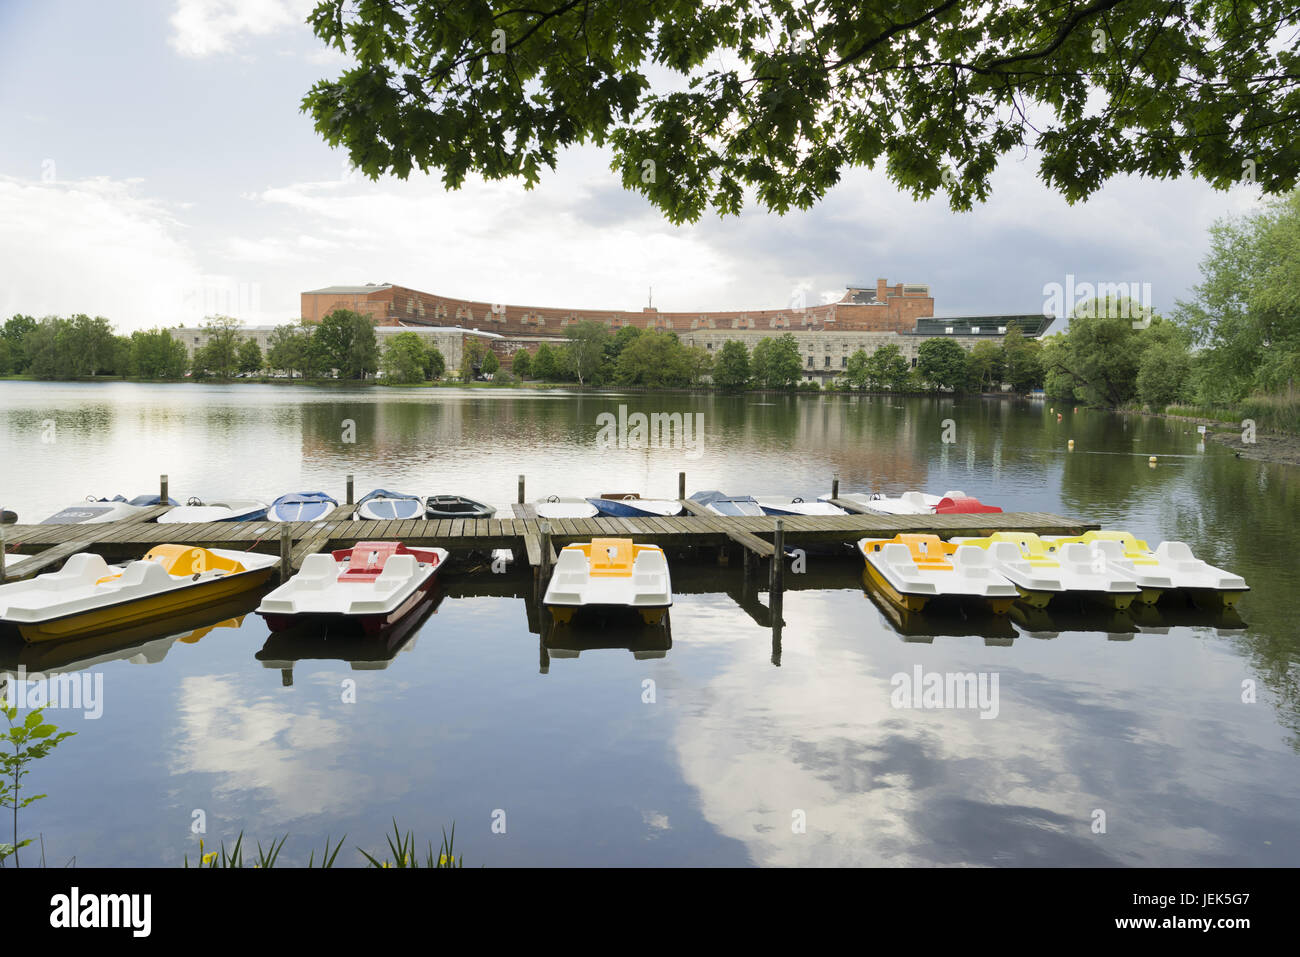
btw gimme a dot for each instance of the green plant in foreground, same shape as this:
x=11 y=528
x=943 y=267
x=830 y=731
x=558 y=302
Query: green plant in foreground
x=30 y=740
x=401 y=847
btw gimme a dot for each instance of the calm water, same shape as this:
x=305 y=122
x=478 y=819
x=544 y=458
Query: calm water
x=476 y=714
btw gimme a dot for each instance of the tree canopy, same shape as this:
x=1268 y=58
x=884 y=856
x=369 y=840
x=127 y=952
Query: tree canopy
x=704 y=104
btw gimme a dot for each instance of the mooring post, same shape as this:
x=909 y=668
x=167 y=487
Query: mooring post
x=544 y=566
x=286 y=551
x=776 y=583
x=162 y=490
x=835 y=485
x=350 y=486
x=681 y=486
x=521 y=490
x=2 y=553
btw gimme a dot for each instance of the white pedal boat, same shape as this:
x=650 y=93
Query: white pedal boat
x=372 y=584
x=912 y=569
x=555 y=506
x=1040 y=574
x=88 y=596
x=797 y=506
x=610 y=573
x=1171 y=566
x=383 y=505
x=233 y=510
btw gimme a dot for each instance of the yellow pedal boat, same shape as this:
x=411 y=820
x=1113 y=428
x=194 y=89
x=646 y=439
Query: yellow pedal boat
x=1041 y=573
x=610 y=573
x=912 y=569
x=88 y=596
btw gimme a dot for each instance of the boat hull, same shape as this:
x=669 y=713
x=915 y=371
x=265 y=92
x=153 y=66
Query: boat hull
x=370 y=624
x=140 y=611
x=630 y=508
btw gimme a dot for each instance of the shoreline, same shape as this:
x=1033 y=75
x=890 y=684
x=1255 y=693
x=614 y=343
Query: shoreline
x=1280 y=448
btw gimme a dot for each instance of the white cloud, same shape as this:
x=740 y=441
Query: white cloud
x=204 y=27
x=99 y=246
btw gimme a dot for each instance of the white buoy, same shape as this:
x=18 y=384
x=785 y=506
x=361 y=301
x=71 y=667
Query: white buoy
x=1071 y=445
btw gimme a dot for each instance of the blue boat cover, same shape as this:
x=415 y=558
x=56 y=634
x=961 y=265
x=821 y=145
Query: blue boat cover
x=384 y=493
x=303 y=498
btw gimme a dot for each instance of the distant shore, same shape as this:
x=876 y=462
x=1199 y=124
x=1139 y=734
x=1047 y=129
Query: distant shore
x=1282 y=448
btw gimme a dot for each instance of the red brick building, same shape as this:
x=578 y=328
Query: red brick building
x=882 y=309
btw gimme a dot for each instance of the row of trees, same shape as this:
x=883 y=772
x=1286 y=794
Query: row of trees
x=343 y=342
x=1237 y=340
x=593 y=355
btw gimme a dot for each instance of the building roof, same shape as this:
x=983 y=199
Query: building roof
x=350 y=290
x=1033 y=324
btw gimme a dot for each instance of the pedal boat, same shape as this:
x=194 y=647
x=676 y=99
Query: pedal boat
x=456 y=506
x=732 y=505
x=234 y=510
x=383 y=505
x=301 y=507
x=88 y=596
x=373 y=585
x=912 y=569
x=1040 y=575
x=94 y=511
x=798 y=506
x=555 y=506
x=610 y=573
x=1170 y=567
x=632 y=505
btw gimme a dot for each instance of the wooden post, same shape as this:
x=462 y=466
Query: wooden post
x=544 y=567
x=776 y=584
x=350 y=492
x=2 y=553
x=681 y=486
x=835 y=485
x=521 y=490
x=162 y=490
x=286 y=551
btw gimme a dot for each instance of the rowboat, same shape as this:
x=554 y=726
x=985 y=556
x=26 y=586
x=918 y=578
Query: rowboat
x=233 y=510
x=456 y=506
x=1170 y=567
x=912 y=569
x=734 y=505
x=97 y=510
x=372 y=585
x=1041 y=574
x=798 y=506
x=919 y=503
x=554 y=506
x=88 y=596
x=301 y=507
x=632 y=505
x=610 y=573
x=381 y=505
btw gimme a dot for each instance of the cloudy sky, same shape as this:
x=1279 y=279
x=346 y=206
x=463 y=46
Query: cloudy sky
x=155 y=168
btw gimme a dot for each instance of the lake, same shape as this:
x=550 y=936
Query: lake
x=1148 y=739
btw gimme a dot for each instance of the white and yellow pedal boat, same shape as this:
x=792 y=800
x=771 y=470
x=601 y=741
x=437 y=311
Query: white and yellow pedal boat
x=1041 y=573
x=912 y=569
x=88 y=596
x=1170 y=566
x=610 y=573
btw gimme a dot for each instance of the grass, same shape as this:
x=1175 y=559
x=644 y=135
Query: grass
x=1279 y=412
x=401 y=853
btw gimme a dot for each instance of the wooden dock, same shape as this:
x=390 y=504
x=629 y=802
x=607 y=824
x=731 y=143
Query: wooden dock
x=525 y=533
x=522 y=531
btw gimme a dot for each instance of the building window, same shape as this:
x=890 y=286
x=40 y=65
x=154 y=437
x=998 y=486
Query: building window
x=827 y=363
x=844 y=362
x=810 y=362
x=947 y=330
x=708 y=345
x=1001 y=329
x=974 y=330
x=913 y=362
